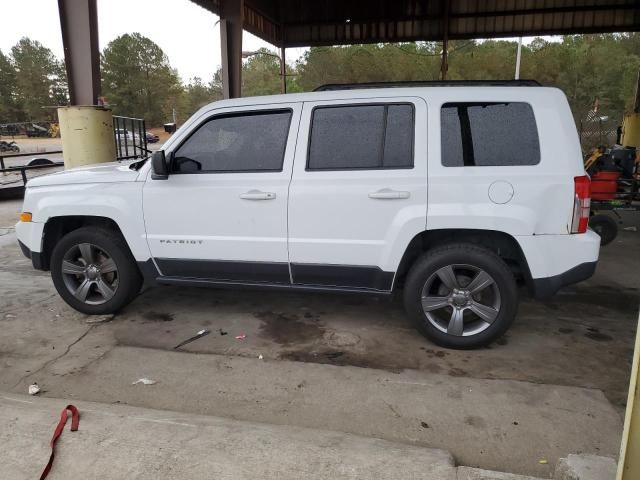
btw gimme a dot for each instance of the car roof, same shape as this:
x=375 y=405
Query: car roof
x=445 y=92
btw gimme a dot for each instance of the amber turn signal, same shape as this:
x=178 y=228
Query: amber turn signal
x=25 y=217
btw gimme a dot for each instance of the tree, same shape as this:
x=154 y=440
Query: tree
x=261 y=75
x=138 y=80
x=40 y=79
x=8 y=91
x=367 y=63
x=198 y=94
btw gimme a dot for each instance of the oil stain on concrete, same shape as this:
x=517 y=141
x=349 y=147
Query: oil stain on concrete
x=287 y=328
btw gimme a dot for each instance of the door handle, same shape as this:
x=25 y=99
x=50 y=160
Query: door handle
x=257 y=195
x=388 y=194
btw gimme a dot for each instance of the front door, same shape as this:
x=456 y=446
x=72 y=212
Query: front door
x=222 y=213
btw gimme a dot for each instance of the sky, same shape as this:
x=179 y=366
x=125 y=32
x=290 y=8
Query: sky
x=187 y=33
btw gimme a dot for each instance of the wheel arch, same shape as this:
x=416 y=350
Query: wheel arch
x=503 y=244
x=57 y=227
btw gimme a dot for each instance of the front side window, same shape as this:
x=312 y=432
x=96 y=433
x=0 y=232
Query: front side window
x=489 y=134
x=251 y=142
x=361 y=137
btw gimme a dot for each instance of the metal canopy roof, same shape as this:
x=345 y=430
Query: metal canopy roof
x=295 y=23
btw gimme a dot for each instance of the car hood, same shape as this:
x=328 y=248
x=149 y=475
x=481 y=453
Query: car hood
x=111 y=172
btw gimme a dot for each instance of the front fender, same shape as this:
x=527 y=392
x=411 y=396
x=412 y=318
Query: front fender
x=120 y=202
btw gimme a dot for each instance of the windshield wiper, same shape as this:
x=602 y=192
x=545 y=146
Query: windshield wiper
x=138 y=165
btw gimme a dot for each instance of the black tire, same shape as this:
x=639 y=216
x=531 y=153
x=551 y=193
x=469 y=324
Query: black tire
x=126 y=277
x=462 y=257
x=604 y=226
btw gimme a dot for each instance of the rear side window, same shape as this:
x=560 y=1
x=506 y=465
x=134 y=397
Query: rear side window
x=361 y=137
x=489 y=134
x=253 y=142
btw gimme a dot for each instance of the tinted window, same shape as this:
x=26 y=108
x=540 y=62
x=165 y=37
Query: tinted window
x=236 y=143
x=361 y=137
x=398 y=143
x=489 y=134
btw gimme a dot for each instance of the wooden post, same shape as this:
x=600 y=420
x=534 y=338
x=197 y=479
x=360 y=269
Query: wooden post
x=283 y=70
x=636 y=100
x=444 y=67
x=231 y=18
x=79 y=26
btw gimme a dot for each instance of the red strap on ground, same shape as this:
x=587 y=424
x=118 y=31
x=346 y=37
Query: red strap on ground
x=75 y=421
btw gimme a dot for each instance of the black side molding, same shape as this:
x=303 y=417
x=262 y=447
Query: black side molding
x=351 y=276
x=149 y=272
x=195 y=282
x=547 y=287
x=268 y=274
x=35 y=257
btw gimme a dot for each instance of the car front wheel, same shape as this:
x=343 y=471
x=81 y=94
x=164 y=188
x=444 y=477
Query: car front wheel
x=461 y=296
x=94 y=271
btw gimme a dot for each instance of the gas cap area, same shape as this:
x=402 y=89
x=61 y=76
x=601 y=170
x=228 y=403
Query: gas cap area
x=500 y=192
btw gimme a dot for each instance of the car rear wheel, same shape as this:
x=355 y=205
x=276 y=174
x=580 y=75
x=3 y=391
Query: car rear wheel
x=461 y=296
x=604 y=226
x=94 y=271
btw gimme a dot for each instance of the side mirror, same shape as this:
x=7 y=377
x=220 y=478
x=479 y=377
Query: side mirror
x=159 y=167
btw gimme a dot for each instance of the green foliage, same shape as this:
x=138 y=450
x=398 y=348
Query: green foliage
x=261 y=74
x=8 y=90
x=367 y=63
x=586 y=67
x=138 y=80
x=198 y=94
x=40 y=80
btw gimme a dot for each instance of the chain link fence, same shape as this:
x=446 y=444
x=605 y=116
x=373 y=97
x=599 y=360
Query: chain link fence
x=597 y=128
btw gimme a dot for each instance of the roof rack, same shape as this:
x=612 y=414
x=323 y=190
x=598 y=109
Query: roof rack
x=429 y=83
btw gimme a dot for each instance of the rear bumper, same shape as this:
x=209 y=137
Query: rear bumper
x=35 y=257
x=556 y=261
x=547 y=287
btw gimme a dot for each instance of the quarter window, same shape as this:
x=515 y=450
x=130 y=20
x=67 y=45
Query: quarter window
x=361 y=137
x=489 y=134
x=253 y=142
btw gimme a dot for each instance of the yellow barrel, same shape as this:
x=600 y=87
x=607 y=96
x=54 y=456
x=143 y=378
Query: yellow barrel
x=631 y=130
x=87 y=135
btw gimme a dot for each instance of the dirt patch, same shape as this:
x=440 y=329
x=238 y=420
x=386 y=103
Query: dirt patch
x=603 y=297
x=158 y=316
x=475 y=421
x=286 y=329
x=435 y=353
x=598 y=336
x=341 y=358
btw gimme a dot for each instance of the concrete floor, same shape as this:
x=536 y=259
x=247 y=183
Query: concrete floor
x=122 y=442
x=556 y=384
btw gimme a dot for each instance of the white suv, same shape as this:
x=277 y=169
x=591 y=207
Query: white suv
x=452 y=194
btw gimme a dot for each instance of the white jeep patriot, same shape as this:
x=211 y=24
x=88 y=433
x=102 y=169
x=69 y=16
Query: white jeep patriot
x=454 y=194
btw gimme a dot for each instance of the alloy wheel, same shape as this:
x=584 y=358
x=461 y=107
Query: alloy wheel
x=90 y=273
x=460 y=300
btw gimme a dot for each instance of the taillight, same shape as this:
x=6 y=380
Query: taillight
x=581 y=204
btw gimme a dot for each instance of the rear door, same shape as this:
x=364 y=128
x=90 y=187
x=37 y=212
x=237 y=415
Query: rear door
x=358 y=189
